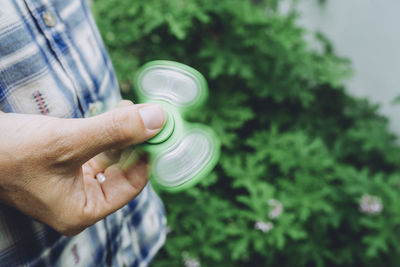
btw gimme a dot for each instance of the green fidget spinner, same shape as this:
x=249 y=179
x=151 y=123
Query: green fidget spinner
x=182 y=153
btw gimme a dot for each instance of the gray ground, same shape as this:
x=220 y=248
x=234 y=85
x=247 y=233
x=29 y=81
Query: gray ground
x=367 y=32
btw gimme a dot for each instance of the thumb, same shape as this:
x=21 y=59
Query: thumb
x=115 y=129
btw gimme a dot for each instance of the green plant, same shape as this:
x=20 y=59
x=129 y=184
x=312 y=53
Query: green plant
x=308 y=176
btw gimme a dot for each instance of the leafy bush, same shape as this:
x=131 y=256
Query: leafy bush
x=309 y=176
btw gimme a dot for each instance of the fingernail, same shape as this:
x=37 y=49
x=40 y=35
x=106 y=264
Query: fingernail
x=153 y=116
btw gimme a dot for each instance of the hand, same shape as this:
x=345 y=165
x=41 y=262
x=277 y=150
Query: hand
x=48 y=165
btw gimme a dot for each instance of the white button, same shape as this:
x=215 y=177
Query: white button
x=49 y=19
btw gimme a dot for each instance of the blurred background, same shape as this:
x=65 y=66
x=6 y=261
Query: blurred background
x=365 y=32
x=309 y=171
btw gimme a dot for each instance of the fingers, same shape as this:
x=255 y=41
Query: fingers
x=46 y=178
x=125 y=158
x=121 y=186
x=121 y=127
x=103 y=160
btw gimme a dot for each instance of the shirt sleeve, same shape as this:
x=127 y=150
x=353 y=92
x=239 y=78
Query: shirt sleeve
x=53 y=62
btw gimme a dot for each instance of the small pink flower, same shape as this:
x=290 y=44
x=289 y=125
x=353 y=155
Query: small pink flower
x=275 y=208
x=189 y=261
x=370 y=204
x=264 y=227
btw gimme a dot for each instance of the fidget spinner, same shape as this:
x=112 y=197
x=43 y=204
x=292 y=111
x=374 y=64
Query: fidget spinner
x=182 y=153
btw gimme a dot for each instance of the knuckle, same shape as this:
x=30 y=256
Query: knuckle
x=124 y=103
x=54 y=148
x=70 y=231
x=117 y=127
x=73 y=225
x=66 y=227
x=60 y=150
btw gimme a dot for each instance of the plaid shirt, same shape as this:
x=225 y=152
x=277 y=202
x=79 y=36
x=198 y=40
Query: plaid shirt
x=53 y=62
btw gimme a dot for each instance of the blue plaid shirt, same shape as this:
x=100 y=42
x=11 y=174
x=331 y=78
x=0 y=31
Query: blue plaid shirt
x=53 y=62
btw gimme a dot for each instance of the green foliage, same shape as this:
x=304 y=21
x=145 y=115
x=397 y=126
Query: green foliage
x=300 y=156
